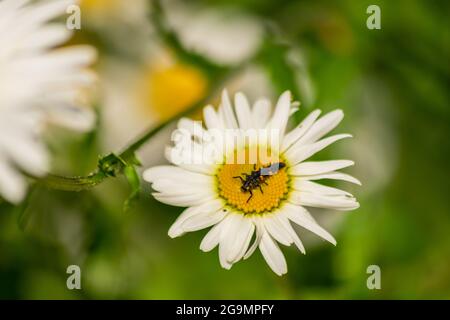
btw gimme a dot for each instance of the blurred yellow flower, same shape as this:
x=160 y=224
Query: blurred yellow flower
x=168 y=90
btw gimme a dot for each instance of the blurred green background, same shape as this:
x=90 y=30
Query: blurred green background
x=156 y=60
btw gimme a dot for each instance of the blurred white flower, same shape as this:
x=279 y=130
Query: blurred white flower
x=138 y=95
x=224 y=36
x=38 y=85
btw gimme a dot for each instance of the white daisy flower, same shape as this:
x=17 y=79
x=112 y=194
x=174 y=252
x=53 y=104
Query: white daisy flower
x=38 y=84
x=233 y=198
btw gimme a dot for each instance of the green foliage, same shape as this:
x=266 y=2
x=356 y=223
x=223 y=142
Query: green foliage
x=135 y=185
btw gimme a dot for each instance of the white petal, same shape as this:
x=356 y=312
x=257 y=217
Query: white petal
x=57 y=62
x=323 y=201
x=192 y=158
x=212 y=238
x=176 y=229
x=242 y=229
x=295 y=106
x=319 y=167
x=26 y=152
x=184 y=200
x=259 y=232
x=301 y=217
x=287 y=226
x=75 y=118
x=316 y=188
x=171 y=187
x=233 y=222
x=227 y=112
x=281 y=113
x=272 y=254
x=45 y=11
x=196 y=167
x=322 y=126
x=212 y=120
x=175 y=174
x=193 y=127
x=9 y=5
x=297 y=155
x=203 y=220
x=224 y=239
x=300 y=130
x=276 y=230
x=243 y=111
x=261 y=113
x=71 y=58
x=47 y=37
x=334 y=176
x=12 y=184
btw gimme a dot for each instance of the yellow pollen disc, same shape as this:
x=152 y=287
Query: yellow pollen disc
x=230 y=188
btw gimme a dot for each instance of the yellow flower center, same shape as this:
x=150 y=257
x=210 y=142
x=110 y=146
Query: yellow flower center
x=253 y=192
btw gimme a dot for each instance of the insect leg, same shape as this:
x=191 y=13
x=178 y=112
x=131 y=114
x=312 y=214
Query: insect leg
x=251 y=195
x=260 y=189
x=239 y=177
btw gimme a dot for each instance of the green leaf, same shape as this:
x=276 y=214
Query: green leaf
x=22 y=211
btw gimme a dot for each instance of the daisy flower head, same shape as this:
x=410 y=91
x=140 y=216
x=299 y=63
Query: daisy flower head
x=249 y=179
x=39 y=84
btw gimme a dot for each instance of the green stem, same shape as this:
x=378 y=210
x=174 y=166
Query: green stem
x=73 y=183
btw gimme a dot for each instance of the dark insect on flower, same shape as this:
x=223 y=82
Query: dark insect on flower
x=258 y=177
